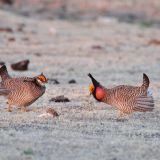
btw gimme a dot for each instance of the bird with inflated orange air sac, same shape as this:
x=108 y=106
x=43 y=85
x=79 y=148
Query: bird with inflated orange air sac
x=127 y=99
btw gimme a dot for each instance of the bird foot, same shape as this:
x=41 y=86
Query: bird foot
x=24 y=109
x=121 y=117
x=8 y=109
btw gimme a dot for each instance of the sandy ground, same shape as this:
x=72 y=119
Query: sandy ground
x=115 y=53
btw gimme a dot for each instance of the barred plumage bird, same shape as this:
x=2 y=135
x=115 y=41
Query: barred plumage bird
x=126 y=99
x=21 y=91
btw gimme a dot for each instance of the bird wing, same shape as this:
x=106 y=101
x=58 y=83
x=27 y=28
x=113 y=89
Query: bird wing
x=28 y=79
x=15 y=83
x=4 y=91
x=128 y=91
x=134 y=97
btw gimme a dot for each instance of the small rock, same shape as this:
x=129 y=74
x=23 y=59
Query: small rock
x=54 y=81
x=97 y=47
x=20 y=27
x=25 y=39
x=20 y=66
x=154 y=42
x=38 y=54
x=52 y=112
x=72 y=81
x=12 y=39
x=9 y=2
x=59 y=99
x=7 y=29
x=49 y=113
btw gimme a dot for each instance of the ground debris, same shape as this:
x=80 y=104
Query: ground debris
x=54 y=81
x=20 y=27
x=50 y=112
x=9 y=2
x=11 y=39
x=6 y=29
x=20 y=66
x=96 y=47
x=72 y=81
x=38 y=54
x=59 y=99
x=154 y=42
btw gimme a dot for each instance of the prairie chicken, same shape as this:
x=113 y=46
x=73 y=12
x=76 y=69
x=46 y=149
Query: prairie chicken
x=126 y=99
x=21 y=91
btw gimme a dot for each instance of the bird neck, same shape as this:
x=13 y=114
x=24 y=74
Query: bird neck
x=40 y=83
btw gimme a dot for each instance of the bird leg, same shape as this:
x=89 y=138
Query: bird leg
x=24 y=109
x=9 y=108
x=121 y=116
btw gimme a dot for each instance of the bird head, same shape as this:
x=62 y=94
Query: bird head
x=96 y=89
x=41 y=79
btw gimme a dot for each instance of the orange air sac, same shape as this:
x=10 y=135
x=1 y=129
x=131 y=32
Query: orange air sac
x=100 y=93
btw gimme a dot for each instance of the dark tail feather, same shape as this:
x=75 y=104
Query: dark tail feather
x=145 y=81
x=95 y=82
x=144 y=104
x=4 y=92
x=4 y=73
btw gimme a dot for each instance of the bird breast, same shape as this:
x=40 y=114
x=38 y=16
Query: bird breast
x=23 y=93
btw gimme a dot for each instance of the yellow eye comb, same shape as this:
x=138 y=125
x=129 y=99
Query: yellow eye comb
x=42 y=78
x=91 y=88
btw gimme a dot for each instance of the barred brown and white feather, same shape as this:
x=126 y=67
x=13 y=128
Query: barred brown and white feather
x=128 y=99
x=125 y=98
x=21 y=91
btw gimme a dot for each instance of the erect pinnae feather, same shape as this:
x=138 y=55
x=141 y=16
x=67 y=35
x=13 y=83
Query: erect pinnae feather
x=4 y=73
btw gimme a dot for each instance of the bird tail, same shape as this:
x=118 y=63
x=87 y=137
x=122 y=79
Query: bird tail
x=4 y=73
x=144 y=104
x=145 y=81
x=4 y=92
